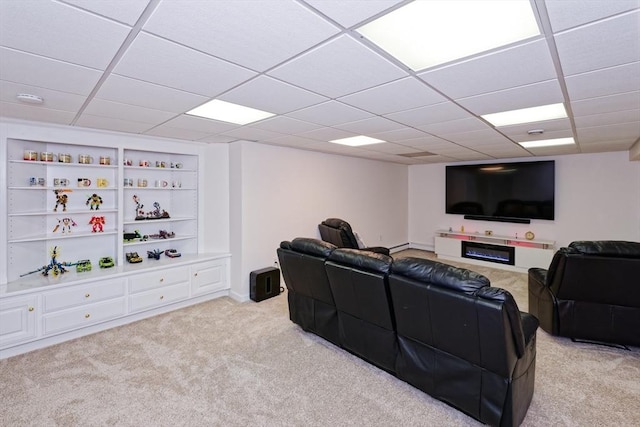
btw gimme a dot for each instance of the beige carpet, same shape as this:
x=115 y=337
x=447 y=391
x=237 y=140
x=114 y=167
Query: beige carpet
x=223 y=363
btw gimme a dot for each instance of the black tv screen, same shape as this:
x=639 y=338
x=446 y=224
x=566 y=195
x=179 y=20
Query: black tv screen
x=501 y=191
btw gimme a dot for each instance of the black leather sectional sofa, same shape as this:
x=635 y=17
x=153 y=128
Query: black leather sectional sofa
x=443 y=329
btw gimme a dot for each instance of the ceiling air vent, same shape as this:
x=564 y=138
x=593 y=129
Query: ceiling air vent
x=418 y=154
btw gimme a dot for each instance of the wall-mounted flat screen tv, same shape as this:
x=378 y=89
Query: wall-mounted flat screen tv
x=502 y=191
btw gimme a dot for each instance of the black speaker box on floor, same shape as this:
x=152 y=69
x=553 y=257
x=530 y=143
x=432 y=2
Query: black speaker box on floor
x=265 y=283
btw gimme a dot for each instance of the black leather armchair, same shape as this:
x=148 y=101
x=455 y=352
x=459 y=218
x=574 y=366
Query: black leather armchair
x=590 y=292
x=309 y=296
x=339 y=233
x=462 y=341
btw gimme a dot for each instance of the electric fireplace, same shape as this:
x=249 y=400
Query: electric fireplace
x=488 y=252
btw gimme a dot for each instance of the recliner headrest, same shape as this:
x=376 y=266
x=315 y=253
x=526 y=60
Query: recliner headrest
x=612 y=248
x=436 y=273
x=285 y=244
x=336 y=223
x=365 y=260
x=310 y=246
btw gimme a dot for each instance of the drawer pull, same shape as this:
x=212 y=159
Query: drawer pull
x=162 y=280
x=31 y=308
x=196 y=274
x=161 y=296
x=87 y=295
x=86 y=316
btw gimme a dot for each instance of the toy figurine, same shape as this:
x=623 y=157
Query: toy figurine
x=94 y=201
x=139 y=212
x=97 y=223
x=54 y=266
x=66 y=224
x=155 y=254
x=61 y=199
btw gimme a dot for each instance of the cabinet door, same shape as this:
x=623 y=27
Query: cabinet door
x=67 y=320
x=18 y=320
x=157 y=279
x=209 y=277
x=83 y=295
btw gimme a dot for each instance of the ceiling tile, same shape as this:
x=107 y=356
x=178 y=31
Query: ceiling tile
x=400 y=95
x=517 y=66
x=349 y=13
x=162 y=62
x=608 y=81
x=120 y=125
x=20 y=67
x=565 y=14
x=557 y=150
x=59 y=31
x=629 y=132
x=604 y=147
x=176 y=133
x=337 y=68
x=116 y=110
x=455 y=126
x=607 y=43
x=217 y=139
x=127 y=12
x=533 y=95
x=398 y=135
x=285 y=125
x=431 y=114
x=479 y=138
x=199 y=124
x=268 y=94
x=606 y=104
x=251 y=133
x=257 y=35
x=327 y=134
x=28 y=112
x=390 y=148
x=53 y=99
x=330 y=113
x=136 y=92
x=520 y=131
x=603 y=119
x=370 y=126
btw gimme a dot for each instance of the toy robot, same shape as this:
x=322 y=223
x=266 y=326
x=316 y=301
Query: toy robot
x=94 y=201
x=61 y=199
x=66 y=224
x=54 y=266
x=139 y=206
x=97 y=223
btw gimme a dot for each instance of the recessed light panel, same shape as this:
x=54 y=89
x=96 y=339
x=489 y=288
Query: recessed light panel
x=356 y=141
x=527 y=115
x=423 y=34
x=547 y=142
x=228 y=112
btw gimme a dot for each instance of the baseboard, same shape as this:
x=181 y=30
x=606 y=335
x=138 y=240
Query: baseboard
x=398 y=248
x=422 y=246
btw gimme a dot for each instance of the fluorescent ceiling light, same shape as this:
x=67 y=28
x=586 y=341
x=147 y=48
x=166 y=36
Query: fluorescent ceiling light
x=356 y=141
x=228 y=112
x=547 y=142
x=423 y=34
x=527 y=115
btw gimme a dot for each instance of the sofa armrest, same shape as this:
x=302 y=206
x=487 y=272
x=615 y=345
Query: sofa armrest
x=377 y=249
x=530 y=325
x=542 y=302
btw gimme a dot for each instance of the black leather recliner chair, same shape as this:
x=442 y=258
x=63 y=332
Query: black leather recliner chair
x=339 y=233
x=590 y=292
x=462 y=341
x=359 y=283
x=309 y=296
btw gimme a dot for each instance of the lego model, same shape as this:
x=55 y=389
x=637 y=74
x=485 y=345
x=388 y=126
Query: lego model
x=55 y=267
x=61 y=199
x=83 y=265
x=106 y=262
x=139 y=212
x=155 y=254
x=156 y=213
x=133 y=257
x=128 y=237
x=66 y=224
x=94 y=201
x=97 y=223
x=172 y=253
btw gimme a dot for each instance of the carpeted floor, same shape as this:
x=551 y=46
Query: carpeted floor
x=224 y=363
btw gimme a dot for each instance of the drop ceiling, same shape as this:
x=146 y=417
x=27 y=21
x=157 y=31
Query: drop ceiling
x=137 y=66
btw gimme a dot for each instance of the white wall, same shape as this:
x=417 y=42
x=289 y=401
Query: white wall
x=286 y=193
x=597 y=198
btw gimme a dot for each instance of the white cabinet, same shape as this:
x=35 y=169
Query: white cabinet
x=18 y=320
x=522 y=254
x=158 y=288
x=209 y=277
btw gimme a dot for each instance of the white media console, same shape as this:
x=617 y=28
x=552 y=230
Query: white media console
x=506 y=252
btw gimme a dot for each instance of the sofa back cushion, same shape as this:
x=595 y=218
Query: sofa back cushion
x=597 y=272
x=338 y=232
x=456 y=311
x=302 y=263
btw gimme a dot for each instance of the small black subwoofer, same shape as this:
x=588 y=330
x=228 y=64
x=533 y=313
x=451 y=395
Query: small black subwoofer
x=265 y=283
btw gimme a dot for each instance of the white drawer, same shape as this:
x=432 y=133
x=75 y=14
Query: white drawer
x=209 y=277
x=83 y=294
x=83 y=316
x=156 y=279
x=18 y=320
x=158 y=297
